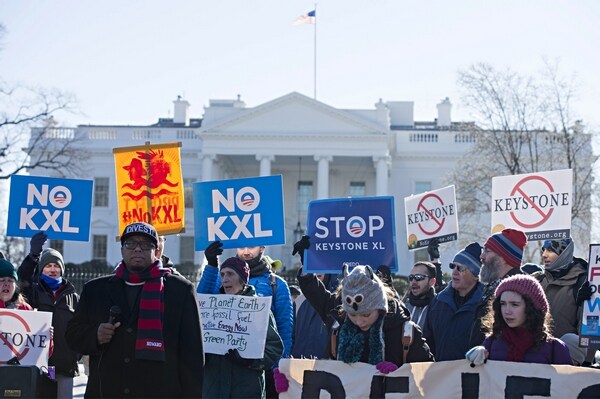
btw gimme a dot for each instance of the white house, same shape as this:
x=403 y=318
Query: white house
x=321 y=152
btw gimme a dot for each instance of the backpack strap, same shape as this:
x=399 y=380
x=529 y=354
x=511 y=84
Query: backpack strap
x=407 y=338
x=335 y=331
x=273 y=283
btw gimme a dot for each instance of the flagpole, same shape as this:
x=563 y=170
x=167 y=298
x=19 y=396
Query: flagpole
x=315 y=56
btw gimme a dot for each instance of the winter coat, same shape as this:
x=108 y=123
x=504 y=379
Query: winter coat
x=476 y=336
x=328 y=304
x=281 y=305
x=560 y=291
x=114 y=370
x=553 y=351
x=311 y=334
x=448 y=326
x=61 y=304
x=226 y=379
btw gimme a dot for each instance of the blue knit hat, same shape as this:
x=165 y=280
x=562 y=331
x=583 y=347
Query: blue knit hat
x=470 y=257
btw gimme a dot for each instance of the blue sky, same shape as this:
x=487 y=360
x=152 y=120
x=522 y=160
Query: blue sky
x=127 y=60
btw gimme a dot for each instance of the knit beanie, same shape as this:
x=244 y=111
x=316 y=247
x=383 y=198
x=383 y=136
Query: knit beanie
x=526 y=286
x=8 y=270
x=238 y=266
x=470 y=257
x=509 y=244
x=50 y=255
x=362 y=291
x=557 y=246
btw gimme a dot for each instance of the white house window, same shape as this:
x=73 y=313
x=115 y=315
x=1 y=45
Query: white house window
x=305 y=195
x=186 y=249
x=357 y=189
x=101 y=191
x=188 y=192
x=99 y=247
x=422 y=186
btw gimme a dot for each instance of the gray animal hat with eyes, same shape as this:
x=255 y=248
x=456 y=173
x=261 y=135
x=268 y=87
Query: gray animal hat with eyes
x=362 y=291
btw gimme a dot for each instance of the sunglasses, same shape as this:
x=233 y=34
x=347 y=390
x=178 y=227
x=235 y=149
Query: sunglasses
x=458 y=267
x=418 y=277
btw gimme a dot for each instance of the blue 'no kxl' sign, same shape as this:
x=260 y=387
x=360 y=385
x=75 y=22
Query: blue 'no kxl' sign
x=352 y=231
x=239 y=212
x=60 y=207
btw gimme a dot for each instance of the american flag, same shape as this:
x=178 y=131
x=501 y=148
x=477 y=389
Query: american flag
x=308 y=18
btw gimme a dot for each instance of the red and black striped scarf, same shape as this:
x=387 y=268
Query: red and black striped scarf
x=149 y=344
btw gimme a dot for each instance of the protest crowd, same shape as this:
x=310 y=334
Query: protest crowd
x=141 y=325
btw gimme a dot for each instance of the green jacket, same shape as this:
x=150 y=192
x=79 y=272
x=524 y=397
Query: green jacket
x=226 y=379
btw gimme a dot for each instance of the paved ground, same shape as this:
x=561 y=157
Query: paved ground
x=79 y=383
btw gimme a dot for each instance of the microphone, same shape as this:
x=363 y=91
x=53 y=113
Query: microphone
x=114 y=315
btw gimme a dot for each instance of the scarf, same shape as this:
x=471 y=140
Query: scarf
x=149 y=344
x=519 y=341
x=351 y=343
x=563 y=261
x=423 y=300
x=258 y=266
x=52 y=283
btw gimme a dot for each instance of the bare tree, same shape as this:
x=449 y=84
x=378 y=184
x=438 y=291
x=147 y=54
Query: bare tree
x=523 y=124
x=31 y=139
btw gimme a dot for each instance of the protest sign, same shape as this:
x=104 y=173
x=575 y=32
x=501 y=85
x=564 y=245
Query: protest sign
x=539 y=204
x=239 y=212
x=590 y=322
x=25 y=335
x=351 y=231
x=449 y=379
x=150 y=186
x=234 y=321
x=60 y=207
x=431 y=215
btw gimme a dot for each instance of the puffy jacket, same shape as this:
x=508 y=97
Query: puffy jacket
x=226 y=379
x=447 y=326
x=281 y=306
x=62 y=306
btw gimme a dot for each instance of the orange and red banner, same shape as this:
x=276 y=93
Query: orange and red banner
x=150 y=186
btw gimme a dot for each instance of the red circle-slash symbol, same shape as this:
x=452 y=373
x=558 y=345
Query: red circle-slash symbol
x=545 y=215
x=15 y=351
x=439 y=223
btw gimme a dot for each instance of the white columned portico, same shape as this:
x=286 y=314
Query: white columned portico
x=323 y=175
x=265 y=164
x=208 y=161
x=381 y=176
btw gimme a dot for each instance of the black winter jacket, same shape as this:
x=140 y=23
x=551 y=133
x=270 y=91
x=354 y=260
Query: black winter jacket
x=328 y=304
x=62 y=306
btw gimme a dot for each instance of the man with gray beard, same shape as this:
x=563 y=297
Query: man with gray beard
x=501 y=258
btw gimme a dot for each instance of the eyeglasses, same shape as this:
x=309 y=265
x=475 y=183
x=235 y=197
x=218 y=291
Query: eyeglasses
x=418 y=277
x=144 y=245
x=458 y=267
x=7 y=281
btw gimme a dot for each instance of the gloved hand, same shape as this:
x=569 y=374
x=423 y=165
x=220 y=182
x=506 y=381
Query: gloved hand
x=281 y=382
x=300 y=246
x=212 y=251
x=433 y=249
x=234 y=356
x=386 y=367
x=37 y=242
x=477 y=355
x=584 y=293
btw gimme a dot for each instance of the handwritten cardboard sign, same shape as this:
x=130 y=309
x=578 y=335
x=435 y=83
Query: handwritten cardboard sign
x=234 y=321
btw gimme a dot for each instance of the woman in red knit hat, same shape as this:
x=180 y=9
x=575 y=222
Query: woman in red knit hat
x=519 y=326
